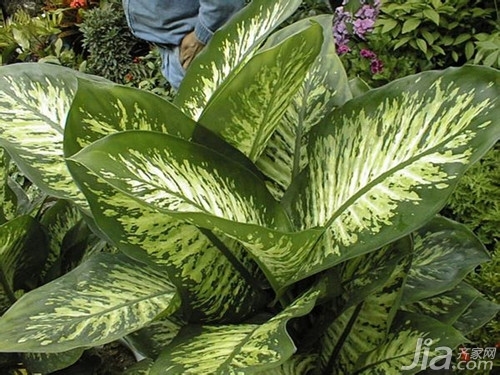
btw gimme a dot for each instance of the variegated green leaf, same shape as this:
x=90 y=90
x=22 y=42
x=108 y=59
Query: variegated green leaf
x=183 y=179
x=445 y=252
x=23 y=252
x=34 y=102
x=246 y=111
x=363 y=327
x=58 y=220
x=150 y=341
x=116 y=108
x=212 y=288
x=229 y=49
x=402 y=350
x=299 y=364
x=385 y=162
x=45 y=363
x=140 y=368
x=364 y=275
x=463 y=307
x=324 y=87
x=100 y=301
x=446 y=307
x=190 y=182
x=234 y=349
x=480 y=312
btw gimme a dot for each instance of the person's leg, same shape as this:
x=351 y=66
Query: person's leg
x=171 y=66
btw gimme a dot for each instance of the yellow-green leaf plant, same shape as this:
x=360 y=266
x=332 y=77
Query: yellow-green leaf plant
x=268 y=221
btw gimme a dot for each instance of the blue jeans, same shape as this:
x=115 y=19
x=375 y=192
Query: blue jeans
x=171 y=66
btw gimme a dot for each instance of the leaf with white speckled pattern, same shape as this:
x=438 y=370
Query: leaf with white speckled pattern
x=100 y=301
x=247 y=110
x=34 y=102
x=234 y=349
x=228 y=50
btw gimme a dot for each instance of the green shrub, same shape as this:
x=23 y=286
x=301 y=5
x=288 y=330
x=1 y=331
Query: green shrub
x=476 y=203
x=488 y=49
x=442 y=33
x=27 y=38
x=108 y=42
x=414 y=36
x=146 y=74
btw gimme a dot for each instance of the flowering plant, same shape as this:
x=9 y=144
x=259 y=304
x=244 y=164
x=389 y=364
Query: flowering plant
x=353 y=22
x=79 y=4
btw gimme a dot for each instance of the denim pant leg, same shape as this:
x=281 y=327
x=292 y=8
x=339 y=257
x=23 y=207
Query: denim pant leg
x=171 y=66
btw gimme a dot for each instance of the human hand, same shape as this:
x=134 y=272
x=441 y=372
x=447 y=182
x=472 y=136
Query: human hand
x=189 y=48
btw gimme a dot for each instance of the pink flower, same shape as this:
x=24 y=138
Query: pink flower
x=343 y=49
x=367 y=54
x=376 y=66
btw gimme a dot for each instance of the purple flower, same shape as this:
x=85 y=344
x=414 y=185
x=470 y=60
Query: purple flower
x=376 y=66
x=367 y=54
x=340 y=31
x=367 y=11
x=362 y=26
x=343 y=49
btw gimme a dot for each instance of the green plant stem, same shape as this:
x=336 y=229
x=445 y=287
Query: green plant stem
x=338 y=347
x=256 y=284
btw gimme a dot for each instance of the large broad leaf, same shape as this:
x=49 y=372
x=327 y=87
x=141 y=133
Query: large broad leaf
x=446 y=307
x=243 y=348
x=229 y=49
x=402 y=350
x=213 y=287
x=463 y=307
x=115 y=108
x=46 y=363
x=324 y=88
x=445 y=252
x=102 y=300
x=183 y=179
x=34 y=102
x=99 y=109
x=480 y=312
x=23 y=252
x=246 y=111
x=385 y=162
x=362 y=327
